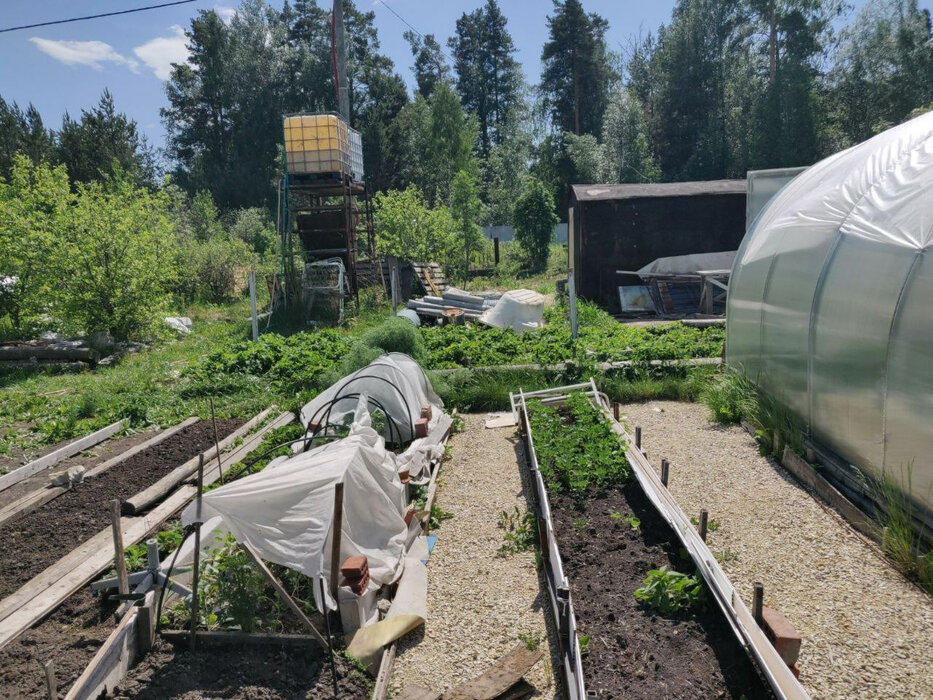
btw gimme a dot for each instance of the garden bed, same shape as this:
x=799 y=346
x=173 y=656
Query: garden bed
x=240 y=672
x=33 y=542
x=674 y=644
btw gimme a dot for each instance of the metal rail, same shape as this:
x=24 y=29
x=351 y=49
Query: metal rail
x=752 y=638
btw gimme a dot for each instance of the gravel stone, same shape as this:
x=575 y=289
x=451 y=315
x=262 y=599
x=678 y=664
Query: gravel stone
x=478 y=603
x=866 y=629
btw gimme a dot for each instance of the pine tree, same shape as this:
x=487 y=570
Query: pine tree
x=489 y=79
x=577 y=71
x=430 y=66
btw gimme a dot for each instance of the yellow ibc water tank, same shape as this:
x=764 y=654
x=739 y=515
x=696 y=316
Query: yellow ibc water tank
x=317 y=143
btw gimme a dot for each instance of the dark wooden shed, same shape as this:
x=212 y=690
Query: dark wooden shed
x=625 y=227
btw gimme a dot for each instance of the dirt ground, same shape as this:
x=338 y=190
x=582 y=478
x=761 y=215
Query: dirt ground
x=87 y=459
x=69 y=637
x=31 y=543
x=253 y=673
x=632 y=652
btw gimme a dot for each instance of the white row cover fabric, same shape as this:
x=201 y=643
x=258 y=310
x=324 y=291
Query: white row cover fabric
x=286 y=511
x=519 y=309
x=689 y=264
x=828 y=304
x=395 y=381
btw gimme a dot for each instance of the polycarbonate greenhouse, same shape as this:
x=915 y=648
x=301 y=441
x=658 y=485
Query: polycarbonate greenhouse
x=830 y=303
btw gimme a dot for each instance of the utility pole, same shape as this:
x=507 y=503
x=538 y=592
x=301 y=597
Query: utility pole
x=339 y=39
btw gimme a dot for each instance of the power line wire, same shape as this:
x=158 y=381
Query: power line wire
x=408 y=24
x=105 y=14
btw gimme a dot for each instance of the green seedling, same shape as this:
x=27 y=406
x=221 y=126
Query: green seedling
x=666 y=591
x=521 y=532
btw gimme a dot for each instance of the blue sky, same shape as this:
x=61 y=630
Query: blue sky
x=66 y=67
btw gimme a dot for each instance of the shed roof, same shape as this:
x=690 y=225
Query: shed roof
x=593 y=193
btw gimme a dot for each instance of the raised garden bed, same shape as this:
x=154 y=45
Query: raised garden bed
x=601 y=537
x=31 y=543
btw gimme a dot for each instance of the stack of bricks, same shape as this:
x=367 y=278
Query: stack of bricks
x=783 y=636
x=355 y=572
x=404 y=475
x=421 y=424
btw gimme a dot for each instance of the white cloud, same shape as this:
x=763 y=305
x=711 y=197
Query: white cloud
x=226 y=13
x=84 y=53
x=161 y=52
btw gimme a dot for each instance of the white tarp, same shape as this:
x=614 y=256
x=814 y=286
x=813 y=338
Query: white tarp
x=286 y=511
x=519 y=309
x=395 y=381
x=689 y=264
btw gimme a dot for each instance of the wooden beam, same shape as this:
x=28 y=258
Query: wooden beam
x=64 y=452
x=336 y=534
x=115 y=656
x=161 y=488
x=501 y=676
x=35 y=499
x=220 y=638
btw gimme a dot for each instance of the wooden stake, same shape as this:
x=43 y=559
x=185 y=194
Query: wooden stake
x=252 y=305
x=193 y=640
x=119 y=561
x=282 y=593
x=495 y=250
x=638 y=436
x=220 y=469
x=145 y=627
x=758 y=600
x=330 y=646
x=665 y=471
x=704 y=519
x=615 y=410
x=50 y=684
x=335 y=544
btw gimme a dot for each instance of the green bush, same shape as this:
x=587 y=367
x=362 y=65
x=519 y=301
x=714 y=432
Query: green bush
x=396 y=335
x=534 y=221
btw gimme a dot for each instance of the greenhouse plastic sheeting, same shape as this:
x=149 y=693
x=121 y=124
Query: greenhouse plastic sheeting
x=395 y=381
x=285 y=512
x=828 y=303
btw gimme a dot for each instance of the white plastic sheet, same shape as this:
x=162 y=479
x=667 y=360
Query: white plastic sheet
x=395 y=381
x=286 y=511
x=519 y=309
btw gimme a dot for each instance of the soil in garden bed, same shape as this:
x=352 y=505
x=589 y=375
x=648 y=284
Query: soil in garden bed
x=69 y=637
x=33 y=542
x=633 y=652
x=88 y=459
x=239 y=673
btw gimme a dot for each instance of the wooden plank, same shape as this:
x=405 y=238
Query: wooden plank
x=416 y=692
x=160 y=489
x=224 y=638
x=251 y=443
x=111 y=662
x=39 y=497
x=46 y=591
x=384 y=676
x=30 y=502
x=69 y=450
x=501 y=676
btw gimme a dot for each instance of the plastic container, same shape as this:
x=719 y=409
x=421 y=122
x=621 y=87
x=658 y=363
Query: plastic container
x=317 y=144
x=356 y=156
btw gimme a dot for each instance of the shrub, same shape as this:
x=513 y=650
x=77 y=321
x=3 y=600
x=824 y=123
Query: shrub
x=731 y=398
x=395 y=335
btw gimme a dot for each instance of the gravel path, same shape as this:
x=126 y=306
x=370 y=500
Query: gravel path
x=866 y=630
x=478 y=603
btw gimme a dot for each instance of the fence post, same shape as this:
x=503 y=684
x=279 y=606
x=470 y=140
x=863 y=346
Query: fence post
x=252 y=304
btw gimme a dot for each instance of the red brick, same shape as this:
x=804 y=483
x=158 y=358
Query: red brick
x=409 y=514
x=357 y=586
x=421 y=428
x=426 y=411
x=795 y=669
x=782 y=634
x=354 y=568
x=404 y=475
